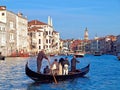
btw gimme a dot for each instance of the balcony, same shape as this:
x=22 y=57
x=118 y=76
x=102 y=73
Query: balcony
x=12 y=29
x=12 y=41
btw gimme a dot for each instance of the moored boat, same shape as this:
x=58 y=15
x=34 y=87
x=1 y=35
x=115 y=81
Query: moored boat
x=42 y=78
x=2 y=57
x=118 y=56
x=79 y=54
x=52 y=55
x=97 y=53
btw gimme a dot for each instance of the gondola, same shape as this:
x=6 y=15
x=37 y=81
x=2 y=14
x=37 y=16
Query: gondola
x=79 y=54
x=97 y=53
x=42 y=78
x=2 y=58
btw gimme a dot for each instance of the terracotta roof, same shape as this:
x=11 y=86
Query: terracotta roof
x=36 y=22
x=2 y=7
x=55 y=31
x=35 y=29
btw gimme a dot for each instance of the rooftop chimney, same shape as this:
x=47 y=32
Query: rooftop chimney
x=19 y=14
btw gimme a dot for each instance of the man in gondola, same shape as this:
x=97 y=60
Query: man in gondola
x=73 y=63
x=40 y=57
x=65 y=66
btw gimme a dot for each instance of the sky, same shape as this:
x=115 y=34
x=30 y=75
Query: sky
x=71 y=17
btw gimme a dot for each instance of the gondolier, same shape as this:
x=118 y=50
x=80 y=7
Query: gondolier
x=73 y=63
x=40 y=57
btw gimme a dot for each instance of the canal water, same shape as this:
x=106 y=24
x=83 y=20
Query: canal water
x=104 y=74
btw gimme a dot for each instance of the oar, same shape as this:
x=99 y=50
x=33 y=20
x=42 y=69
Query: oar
x=53 y=74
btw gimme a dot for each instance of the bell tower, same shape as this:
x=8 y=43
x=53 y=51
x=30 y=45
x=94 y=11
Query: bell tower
x=50 y=21
x=86 y=34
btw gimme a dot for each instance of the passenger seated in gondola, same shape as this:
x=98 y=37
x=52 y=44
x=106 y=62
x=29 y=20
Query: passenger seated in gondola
x=54 y=67
x=46 y=70
x=65 y=66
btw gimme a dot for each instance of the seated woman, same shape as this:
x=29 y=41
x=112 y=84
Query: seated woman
x=54 y=67
x=46 y=70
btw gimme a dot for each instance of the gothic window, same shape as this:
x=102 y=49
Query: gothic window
x=11 y=36
x=3 y=28
x=39 y=41
x=46 y=40
x=11 y=25
x=39 y=47
x=46 y=32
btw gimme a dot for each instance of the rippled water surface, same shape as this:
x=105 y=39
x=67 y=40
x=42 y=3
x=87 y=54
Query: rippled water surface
x=104 y=74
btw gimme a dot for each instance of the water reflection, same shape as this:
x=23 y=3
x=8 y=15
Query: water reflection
x=62 y=85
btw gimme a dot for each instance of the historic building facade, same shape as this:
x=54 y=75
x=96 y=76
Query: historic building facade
x=3 y=41
x=15 y=31
x=118 y=44
x=106 y=45
x=43 y=36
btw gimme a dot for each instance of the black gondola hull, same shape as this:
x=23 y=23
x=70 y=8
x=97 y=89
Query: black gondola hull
x=42 y=78
x=2 y=58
